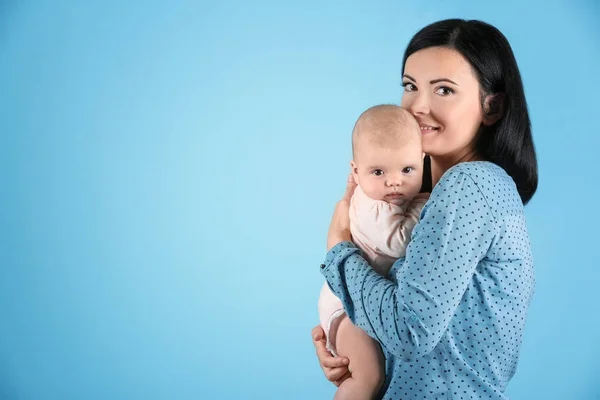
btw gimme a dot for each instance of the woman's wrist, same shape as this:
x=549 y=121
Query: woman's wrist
x=335 y=250
x=335 y=239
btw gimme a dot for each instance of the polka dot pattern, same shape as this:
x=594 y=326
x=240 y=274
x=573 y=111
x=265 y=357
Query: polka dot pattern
x=450 y=315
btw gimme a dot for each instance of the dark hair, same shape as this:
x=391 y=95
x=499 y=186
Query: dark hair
x=508 y=142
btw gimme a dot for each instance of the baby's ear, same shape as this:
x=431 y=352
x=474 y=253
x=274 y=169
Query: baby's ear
x=493 y=108
x=354 y=171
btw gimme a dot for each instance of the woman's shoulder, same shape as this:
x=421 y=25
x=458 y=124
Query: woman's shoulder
x=485 y=178
x=482 y=173
x=476 y=169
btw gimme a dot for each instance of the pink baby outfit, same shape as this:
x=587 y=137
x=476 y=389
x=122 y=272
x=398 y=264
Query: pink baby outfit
x=381 y=231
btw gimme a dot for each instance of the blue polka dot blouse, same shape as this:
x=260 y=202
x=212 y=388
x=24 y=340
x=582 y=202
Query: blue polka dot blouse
x=450 y=315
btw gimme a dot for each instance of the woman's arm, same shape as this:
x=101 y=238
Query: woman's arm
x=335 y=368
x=409 y=317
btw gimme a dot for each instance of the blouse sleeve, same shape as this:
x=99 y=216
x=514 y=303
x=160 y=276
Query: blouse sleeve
x=408 y=317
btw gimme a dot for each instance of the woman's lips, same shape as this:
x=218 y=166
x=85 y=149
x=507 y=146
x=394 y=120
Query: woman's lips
x=428 y=129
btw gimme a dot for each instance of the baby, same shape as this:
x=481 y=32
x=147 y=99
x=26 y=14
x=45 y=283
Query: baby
x=387 y=166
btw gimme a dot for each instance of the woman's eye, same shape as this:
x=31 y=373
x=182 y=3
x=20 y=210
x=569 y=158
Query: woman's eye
x=444 y=91
x=408 y=170
x=377 y=172
x=409 y=87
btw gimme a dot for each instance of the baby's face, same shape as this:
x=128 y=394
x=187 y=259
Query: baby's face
x=390 y=173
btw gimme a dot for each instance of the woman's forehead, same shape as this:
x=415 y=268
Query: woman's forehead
x=438 y=63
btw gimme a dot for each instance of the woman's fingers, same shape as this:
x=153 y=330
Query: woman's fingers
x=350 y=186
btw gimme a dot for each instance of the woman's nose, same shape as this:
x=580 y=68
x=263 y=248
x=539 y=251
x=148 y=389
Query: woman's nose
x=417 y=103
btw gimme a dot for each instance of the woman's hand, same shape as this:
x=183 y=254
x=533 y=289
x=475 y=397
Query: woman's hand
x=339 y=230
x=334 y=368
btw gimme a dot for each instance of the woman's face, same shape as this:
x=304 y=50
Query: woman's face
x=442 y=92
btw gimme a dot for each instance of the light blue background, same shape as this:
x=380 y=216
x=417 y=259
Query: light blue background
x=168 y=171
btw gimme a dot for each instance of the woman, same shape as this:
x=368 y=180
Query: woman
x=450 y=315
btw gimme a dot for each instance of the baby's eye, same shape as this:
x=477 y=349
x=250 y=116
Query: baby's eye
x=408 y=170
x=377 y=172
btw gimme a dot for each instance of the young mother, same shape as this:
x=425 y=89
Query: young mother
x=450 y=315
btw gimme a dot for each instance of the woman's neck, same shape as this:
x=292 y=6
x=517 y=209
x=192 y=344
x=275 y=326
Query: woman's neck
x=439 y=165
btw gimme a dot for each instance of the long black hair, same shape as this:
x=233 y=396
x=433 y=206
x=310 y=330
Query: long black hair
x=507 y=142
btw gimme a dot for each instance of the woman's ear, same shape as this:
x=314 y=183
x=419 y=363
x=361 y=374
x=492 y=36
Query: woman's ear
x=493 y=108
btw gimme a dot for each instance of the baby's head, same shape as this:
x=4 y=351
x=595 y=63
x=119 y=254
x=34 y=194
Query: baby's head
x=387 y=155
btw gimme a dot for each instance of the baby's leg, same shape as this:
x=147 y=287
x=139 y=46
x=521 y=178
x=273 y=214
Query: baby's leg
x=367 y=364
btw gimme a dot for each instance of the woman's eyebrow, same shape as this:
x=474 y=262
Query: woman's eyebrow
x=433 y=81
x=443 y=80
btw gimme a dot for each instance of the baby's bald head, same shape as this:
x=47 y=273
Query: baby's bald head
x=384 y=126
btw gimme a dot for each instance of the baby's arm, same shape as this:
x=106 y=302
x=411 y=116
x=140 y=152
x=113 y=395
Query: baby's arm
x=392 y=228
